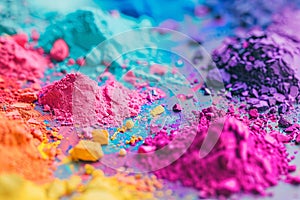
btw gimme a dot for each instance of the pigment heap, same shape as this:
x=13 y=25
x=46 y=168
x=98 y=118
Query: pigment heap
x=245 y=158
x=109 y=104
x=260 y=69
x=19 y=61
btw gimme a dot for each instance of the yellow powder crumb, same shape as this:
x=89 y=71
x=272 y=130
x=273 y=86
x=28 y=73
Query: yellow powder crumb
x=89 y=169
x=122 y=129
x=129 y=124
x=122 y=152
x=86 y=150
x=157 y=110
x=101 y=136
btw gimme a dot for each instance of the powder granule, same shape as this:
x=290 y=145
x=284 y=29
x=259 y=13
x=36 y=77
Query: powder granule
x=19 y=62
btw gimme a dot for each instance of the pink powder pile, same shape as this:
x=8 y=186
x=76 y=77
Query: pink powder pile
x=19 y=61
x=245 y=158
x=79 y=100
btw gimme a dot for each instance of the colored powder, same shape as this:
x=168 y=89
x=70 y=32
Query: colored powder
x=120 y=186
x=59 y=50
x=152 y=8
x=19 y=61
x=24 y=136
x=262 y=69
x=244 y=159
x=84 y=29
x=286 y=23
x=86 y=150
x=19 y=152
x=78 y=99
x=14 y=187
x=243 y=14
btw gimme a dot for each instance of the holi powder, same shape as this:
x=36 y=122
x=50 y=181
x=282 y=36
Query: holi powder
x=78 y=99
x=86 y=115
x=19 y=152
x=119 y=186
x=19 y=61
x=245 y=159
x=24 y=136
x=260 y=69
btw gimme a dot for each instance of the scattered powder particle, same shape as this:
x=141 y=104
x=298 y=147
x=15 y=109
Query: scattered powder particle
x=100 y=136
x=122 y=152
x=158 y=69
x=129 y=124
x=35 y=35
x=157 y=111
x=80 y=61
x=59 y=50
x=177 y=108
x=86 y=150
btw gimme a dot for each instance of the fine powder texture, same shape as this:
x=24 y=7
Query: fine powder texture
x=19 y=153
x=261 y=69
x=244 y=159
x=78 y=99
x=20 y=62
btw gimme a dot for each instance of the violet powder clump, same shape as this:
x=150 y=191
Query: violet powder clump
x=261 y=69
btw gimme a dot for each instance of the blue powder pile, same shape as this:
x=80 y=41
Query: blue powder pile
x=84 y=29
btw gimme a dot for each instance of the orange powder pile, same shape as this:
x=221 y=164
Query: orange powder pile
x=24 y=139
x=19 y=153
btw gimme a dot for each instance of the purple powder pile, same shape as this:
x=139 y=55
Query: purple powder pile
x=262 y=69
x=245 y=159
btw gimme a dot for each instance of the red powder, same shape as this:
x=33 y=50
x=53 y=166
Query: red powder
x=18 y=62
x=244 y=159
x=60 y=50
x=78 y=99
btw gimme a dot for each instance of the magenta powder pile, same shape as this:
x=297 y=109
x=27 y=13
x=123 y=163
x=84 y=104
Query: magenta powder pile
x=19 y=60
x=76 y=99
x=245 y=158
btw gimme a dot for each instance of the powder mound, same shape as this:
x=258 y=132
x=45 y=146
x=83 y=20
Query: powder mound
x=261 y=69
x=242 y=160
x=19 y=153
x=18 y=62
x=79 y=100
x=84 y=29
